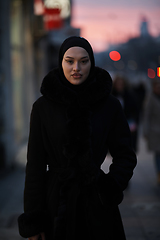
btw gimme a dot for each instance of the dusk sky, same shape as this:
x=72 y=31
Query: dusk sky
x=105 y=22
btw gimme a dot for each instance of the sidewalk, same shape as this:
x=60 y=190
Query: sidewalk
x=11 y=197
x=140 y=209
x=11 y=202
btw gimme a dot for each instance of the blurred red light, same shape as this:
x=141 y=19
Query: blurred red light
x=151 y=73
x=115 y=56
x=158 y=71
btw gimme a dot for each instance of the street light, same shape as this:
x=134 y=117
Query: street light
x=151 y=73
x=115 y=55
x=158 y=71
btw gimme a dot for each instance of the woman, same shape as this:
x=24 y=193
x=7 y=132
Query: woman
x=152 y=124
x=73 y=126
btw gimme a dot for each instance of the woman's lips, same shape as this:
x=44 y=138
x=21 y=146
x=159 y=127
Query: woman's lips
x=77 y=75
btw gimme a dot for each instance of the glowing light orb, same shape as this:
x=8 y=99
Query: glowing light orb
x=151 y=73
x=115 y=56
x=158 y=71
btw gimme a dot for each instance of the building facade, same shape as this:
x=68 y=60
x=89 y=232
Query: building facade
x=27 y=52
x=16 y=76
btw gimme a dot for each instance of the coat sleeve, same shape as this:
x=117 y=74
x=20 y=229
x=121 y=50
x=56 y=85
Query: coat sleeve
x=31 y=222
x=120 y=147
x=112 y=184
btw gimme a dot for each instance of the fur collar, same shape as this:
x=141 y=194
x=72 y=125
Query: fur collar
x=99 y=88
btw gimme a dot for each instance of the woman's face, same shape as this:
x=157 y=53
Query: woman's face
x=76 y=65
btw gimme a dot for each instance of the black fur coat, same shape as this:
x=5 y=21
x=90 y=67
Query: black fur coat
x=66 y=193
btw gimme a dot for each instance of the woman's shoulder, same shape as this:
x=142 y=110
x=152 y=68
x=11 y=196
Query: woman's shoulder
x=114 y=101
x=39 y=103
x=111 y=105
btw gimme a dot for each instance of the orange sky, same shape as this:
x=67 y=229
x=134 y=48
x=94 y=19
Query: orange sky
x=105 y=26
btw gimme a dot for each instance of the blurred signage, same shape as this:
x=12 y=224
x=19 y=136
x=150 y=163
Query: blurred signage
x=52 y=18
x=38 y=7
x=53 y=11
x=158 y=71
x=63 y=5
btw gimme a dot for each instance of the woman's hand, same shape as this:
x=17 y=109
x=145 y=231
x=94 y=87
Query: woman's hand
x=40 y=236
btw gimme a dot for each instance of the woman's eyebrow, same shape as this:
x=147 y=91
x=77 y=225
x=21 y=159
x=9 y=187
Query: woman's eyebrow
x=85 y=57
x=73 y=57
x=69 y=57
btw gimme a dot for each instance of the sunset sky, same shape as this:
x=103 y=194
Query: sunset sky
x=105 y=22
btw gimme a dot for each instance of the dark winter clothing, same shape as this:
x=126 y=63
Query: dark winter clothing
x=71 y=133
x=151 y=126
x=130 y=108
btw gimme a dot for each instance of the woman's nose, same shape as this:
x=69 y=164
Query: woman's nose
x=76 y=66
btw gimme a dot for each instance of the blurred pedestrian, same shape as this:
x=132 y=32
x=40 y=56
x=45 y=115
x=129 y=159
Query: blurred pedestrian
x=152 y=123
x=73 y=126
x=129 y=104
x=140 y=94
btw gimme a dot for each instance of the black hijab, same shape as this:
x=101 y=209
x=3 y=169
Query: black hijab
x=75 y=41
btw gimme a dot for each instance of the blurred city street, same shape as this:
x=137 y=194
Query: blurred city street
x=32 y=32
x=140 y=209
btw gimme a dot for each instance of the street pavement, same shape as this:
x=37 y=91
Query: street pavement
x=140 y=209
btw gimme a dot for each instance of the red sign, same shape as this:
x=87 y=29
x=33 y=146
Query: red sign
x=52 y=18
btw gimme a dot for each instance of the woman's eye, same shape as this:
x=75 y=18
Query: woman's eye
x=85 y=61
x=70 y=61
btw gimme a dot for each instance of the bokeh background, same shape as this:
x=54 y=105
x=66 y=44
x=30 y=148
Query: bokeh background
x=31 y=33
x=125 y=36
x=107 y=22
